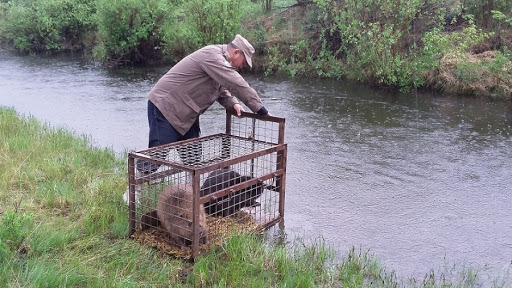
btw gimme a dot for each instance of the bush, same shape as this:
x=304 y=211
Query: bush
x=18 y=28
x=370 y=41
x=212 y=22
x=128 y=30
x=45 y=25
x=483 y=11
x=444 y=58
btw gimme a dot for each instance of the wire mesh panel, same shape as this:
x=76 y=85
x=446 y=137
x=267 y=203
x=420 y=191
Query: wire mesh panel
x=185 y=196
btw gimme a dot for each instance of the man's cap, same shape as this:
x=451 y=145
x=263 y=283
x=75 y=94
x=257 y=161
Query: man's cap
x=245 y=47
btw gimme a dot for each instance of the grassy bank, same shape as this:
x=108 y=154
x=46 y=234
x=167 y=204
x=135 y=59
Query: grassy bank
x=63 y=224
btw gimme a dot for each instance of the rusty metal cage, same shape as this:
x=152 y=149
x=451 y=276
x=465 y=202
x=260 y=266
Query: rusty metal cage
x=185 y=196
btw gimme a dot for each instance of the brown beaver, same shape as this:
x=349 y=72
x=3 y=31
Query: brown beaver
x=174 y=209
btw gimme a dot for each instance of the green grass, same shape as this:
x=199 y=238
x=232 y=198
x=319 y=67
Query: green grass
x=63 y=223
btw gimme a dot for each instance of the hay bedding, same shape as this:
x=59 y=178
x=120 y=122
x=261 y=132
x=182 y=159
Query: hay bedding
x=158 y=238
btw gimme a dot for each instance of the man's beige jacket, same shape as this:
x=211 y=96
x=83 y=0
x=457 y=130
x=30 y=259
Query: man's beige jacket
x=196 y=82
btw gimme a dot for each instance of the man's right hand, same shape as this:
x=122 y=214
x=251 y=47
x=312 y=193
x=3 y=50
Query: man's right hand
x=238 y=109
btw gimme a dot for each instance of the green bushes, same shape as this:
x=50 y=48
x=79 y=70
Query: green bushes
x=391 y=43
x=368 y=41
x=45 y=25
x=17 y=27
x=399 y=44
x=127 y=30
x=484 y=11
x=36 y=26
x=446 y=64
x=213 y=22
x=120 y=31
x=376 y=40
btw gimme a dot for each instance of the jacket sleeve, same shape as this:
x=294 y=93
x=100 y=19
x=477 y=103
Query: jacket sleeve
x=222 y=72
x=226 y=99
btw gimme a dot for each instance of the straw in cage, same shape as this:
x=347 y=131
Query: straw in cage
x=218 y=227
x=174 y=215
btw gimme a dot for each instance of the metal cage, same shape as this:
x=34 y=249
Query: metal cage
x=184 y=196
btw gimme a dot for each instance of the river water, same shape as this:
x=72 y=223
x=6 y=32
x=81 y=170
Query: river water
x=420 y=181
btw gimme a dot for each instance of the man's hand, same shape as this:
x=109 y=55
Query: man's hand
x=238 y=109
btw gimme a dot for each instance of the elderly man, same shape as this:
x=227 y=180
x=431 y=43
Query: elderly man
x=194 y=84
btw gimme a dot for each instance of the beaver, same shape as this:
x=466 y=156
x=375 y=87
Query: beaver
x=174 y=209
x=149 y=220
x=229 y=204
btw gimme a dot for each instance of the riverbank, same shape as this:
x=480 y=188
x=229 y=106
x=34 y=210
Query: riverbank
x=452 y=47
x=63 y=223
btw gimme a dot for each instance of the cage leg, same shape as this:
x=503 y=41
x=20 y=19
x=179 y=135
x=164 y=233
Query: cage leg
x=131 y=192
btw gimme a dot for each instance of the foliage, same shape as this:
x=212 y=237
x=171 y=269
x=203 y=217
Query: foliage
x=501 y=18
x=128 y=30
x=489 y=78
x=483 y=11
x=45 y=25
x=146 y=31
x=18 y=28
x=391 y=43
x=370 y=41
x=372 y=37
x=217 y=21
x=15 y=226
x=214 y=22
x=449 y=67
x=295 y=52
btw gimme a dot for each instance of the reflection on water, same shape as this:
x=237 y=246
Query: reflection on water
x=416 y=179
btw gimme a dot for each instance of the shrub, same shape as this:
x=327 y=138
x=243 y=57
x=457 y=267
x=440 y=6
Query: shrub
x=444 y=57
x=45 y=25
x=201 y=22
x=483 y=11
x=128 y=30
x=18 y=28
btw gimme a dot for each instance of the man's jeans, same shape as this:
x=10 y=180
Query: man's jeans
x=162 y=132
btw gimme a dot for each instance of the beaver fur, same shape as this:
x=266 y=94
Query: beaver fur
x=174 y=209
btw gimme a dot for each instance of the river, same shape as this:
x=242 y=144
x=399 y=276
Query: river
x=420 y=181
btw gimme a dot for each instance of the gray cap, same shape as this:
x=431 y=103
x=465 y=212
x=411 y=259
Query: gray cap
x=245 y=47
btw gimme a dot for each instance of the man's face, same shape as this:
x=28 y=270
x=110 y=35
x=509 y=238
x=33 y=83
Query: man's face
x=238 y=59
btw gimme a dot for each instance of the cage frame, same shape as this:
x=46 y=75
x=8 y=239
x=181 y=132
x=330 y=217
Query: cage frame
x=279 y=174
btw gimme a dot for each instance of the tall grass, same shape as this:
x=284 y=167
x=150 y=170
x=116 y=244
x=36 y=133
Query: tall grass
x=63 y=223
x=61 y=198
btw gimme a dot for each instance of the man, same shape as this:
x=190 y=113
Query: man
x=192 y=86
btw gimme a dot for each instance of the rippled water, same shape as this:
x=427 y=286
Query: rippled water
x=418 y=180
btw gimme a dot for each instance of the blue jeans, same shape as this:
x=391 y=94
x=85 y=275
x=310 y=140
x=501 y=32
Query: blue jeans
x=161 y=132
